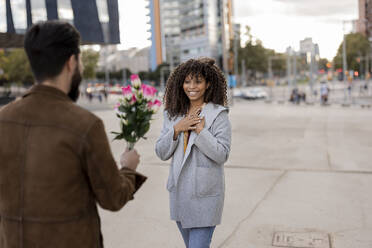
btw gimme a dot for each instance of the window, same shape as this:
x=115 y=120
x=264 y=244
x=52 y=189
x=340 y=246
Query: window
x=38 y=11
x=65 y=10
x=19 y=15
x=103 y=13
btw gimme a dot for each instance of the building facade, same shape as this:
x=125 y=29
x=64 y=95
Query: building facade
x=134 y=59
x=185 y=29
x=96 y=20
x=307 y=46
x=364 y=22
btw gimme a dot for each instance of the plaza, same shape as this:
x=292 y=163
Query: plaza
x=303 y=170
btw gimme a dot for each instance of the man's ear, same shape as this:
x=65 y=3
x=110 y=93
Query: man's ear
x=71 y=63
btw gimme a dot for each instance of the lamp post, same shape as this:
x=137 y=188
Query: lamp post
x=344 y=62
x=270 y=65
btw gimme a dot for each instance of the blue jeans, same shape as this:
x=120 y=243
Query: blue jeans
x=200 y=237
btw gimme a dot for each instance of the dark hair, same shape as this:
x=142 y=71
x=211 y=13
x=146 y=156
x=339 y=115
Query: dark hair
x=175 y=99
x=49 y=45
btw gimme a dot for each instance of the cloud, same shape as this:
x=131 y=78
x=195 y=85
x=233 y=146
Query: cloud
x=245 y=8
x=316 y=8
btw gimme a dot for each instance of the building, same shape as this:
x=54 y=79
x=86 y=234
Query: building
x=361 y=22
x=364 y=23
x=134 y=59
x=308 y=47
x=96 y=20
x=235 y=44
x=184 y=29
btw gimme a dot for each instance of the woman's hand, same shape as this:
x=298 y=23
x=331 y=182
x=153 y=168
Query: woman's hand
x=200 y=126
x=186 y=124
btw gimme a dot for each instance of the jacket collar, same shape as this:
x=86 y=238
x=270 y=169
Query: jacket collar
x=210 y=112
x=47 y=90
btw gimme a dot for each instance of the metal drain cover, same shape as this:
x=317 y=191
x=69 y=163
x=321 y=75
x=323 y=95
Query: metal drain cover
x=301 y=240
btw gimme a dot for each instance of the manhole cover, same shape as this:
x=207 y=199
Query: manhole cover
x=301 y=240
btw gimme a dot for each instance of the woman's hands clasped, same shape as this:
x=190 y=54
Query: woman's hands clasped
x=192 y=122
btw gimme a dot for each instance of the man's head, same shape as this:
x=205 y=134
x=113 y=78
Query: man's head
x=53 y=50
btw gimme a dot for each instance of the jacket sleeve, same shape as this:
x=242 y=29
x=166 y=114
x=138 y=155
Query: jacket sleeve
x=165 y=145
x=112 y=187
x=216 y=146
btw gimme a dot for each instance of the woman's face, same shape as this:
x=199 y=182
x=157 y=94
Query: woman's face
x=195 y=87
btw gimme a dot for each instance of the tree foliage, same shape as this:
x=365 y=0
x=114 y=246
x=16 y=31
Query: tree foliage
x=90 y=60
x=114 y=75
x=15 y=67
x=256 y=56
x=357 y=46
x=155 y=75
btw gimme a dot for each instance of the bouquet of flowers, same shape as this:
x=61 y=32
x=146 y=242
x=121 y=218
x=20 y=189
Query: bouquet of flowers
x=135 y=110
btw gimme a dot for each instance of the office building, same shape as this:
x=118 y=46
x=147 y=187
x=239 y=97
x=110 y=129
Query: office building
x=184 y=29
x=96 y=20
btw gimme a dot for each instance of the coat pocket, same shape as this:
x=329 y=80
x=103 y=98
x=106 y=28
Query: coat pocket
x=170 y=184
x=208 y=181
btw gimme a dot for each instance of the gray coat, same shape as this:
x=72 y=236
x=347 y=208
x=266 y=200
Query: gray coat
x=196 y=182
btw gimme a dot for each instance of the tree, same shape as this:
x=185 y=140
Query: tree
x=90 y=60
x=256 y=56
x=155 y=75
x=3 y=74
x=323 y=64
x=357 y=45
x=17 y=68
x=114 y=75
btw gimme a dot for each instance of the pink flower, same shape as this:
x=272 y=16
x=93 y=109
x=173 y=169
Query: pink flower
x=134 y=77
x=150 y=104
x=136 y=81
x=148 y=91
x=117 y=105
x=156 y=105
x=153 y=90
x=134 y=99
x=127 y=92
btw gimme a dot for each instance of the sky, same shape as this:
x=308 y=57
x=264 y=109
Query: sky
x=277 y=23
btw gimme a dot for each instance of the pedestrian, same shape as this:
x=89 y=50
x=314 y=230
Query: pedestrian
x=231 y=80
x=324 y=92
x=196 y=134
x=56 y=162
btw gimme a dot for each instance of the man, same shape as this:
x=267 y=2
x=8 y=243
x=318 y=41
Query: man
x=55 y=159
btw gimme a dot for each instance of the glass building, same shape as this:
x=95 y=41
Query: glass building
x=185 y=29
x=96 y=20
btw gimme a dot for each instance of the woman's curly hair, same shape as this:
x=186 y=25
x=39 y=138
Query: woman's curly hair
x=176 y=101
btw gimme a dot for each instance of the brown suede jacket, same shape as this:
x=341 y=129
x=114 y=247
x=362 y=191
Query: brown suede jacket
x=55 y=164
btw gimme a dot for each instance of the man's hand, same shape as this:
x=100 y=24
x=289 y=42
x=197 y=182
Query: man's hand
x=130 y=159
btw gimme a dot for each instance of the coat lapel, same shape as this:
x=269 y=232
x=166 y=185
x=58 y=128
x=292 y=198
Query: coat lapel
x=193 y=135
x=210 y=112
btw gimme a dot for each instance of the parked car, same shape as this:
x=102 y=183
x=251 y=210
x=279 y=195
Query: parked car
x=250 y=93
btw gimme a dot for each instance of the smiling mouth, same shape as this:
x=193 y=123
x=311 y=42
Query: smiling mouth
x=192 y=93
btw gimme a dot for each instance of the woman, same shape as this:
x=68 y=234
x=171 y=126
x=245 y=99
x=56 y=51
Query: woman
x=196 y=134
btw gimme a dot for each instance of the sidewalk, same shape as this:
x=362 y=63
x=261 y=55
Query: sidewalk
x=303 y=170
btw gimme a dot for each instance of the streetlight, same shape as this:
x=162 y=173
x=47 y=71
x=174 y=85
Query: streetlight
x=162 y=81
x=344 y=61
x=271 y=58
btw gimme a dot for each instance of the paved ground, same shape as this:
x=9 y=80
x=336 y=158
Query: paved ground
x=297 y=169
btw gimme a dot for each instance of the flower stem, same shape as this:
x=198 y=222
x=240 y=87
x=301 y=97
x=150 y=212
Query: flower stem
x=130 y=145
